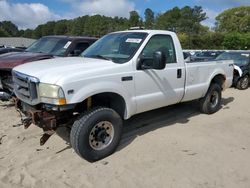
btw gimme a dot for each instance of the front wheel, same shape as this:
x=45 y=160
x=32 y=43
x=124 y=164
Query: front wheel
x=96 y=134
x=212 y=100
x=243 y=83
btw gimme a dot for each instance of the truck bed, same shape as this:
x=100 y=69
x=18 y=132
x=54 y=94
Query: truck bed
x=199 y=74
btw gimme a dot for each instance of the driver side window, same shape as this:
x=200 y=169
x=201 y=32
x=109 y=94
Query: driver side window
x=163 y=43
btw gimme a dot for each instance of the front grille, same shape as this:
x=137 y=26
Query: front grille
x=25 y=87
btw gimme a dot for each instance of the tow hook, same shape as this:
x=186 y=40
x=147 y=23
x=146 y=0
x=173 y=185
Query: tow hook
x=46 y=135
x=27 y=122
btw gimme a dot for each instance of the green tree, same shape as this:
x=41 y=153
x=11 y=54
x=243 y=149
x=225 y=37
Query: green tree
x=185 y=20
x=37 y=33
x=184 y=40
x=48 y=28
x=60 y=27
x=233 y=41
x=246 y=41
x=78 y=25
x=149 y=18
x=28 y=33
x=169 y=20
x=3 y=33
x=234 y=20
x=9 y=28
x=134 y=19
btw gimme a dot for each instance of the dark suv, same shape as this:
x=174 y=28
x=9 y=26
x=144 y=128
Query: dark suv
x=241 y=67
x=45 y=48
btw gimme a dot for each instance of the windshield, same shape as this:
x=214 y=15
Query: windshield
x=238 y=57
x=117 y=47
x=49 y=45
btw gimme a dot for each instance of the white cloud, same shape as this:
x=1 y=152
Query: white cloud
x=103 y=7
x=29 y=15
x=26 y=15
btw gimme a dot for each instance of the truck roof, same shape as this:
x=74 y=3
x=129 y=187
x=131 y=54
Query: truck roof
x=70 y=37
x=147 y=31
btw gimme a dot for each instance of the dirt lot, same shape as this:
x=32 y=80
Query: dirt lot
x=170 y=147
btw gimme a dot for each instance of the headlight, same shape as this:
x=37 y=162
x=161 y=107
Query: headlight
x=51 y=94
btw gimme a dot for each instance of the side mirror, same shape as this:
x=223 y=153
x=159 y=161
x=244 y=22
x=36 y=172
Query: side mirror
x=158 y=62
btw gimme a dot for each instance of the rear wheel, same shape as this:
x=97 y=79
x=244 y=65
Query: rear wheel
x=243 y=83
x=96 y=134
x=212 y=100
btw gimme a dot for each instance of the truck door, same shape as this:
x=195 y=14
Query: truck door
x=158 y=88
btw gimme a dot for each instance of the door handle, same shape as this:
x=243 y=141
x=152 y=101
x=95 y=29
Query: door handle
x=179 y=73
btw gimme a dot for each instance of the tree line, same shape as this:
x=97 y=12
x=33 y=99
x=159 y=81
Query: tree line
x=231 y=31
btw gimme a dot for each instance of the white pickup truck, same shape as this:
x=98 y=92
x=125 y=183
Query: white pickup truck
x=122 y=74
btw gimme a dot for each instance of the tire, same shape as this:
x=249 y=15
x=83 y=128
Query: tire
x=212 y=101
x=96 y=134
x=243 y=83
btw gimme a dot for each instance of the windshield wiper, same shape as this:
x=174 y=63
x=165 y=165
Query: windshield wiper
x=101 y=57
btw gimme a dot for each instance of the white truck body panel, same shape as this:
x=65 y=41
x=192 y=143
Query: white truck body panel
x=149 y=89
x=200 y=74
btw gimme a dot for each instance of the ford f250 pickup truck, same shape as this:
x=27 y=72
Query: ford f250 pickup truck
x=122 y=74
x=45 y=48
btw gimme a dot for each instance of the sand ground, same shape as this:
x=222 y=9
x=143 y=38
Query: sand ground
x=176 y=146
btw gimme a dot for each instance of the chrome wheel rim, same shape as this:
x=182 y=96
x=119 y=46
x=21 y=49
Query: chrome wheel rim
x=214 y=99
x=101 y=135
x=244 y=83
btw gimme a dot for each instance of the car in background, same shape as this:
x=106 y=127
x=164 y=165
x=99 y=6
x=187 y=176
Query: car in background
x=8 y=49
x=205 y=55
x=45 y=48
x=241 y=67
x=187 y=56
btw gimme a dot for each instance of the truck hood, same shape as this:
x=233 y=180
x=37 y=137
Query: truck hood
x=11 y=60
x=51 y=70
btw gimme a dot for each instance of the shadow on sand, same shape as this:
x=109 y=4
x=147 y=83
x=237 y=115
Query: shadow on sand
x=149 y=121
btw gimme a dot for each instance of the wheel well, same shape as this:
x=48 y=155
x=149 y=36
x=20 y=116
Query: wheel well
x=219 y=79
x=236 y=72
x=107 y=99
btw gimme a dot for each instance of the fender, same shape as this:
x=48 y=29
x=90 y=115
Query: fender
x=238 y=69
x=102 y=87
x=218 y=71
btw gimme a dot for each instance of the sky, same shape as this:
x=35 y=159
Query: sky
x=30 y=13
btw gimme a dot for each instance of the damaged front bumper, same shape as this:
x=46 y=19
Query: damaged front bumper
x=47 y=117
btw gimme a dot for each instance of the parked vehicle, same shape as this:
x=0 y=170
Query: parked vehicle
x=241 y=67
x=45 y=48
x=205 y=55
x=7 y=50
x=122 y=74
x=187 y=56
